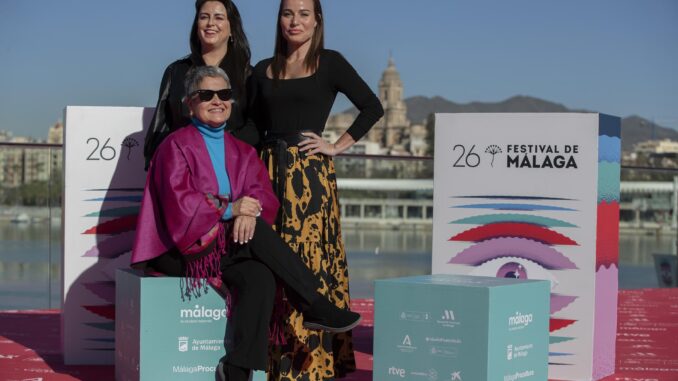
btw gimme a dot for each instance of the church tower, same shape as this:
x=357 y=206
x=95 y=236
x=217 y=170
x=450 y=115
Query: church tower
x=395 y=121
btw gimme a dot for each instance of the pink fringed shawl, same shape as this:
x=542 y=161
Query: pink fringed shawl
x=178 y=209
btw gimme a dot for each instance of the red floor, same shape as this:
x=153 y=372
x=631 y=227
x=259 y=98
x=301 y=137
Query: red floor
x=647 y=342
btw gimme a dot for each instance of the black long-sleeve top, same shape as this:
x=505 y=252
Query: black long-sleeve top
x=288 y=106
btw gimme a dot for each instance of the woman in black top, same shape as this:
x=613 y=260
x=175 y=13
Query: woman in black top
x=291 y=97
x=217 y=39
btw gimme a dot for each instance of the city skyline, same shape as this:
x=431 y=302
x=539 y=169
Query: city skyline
x=617 y=57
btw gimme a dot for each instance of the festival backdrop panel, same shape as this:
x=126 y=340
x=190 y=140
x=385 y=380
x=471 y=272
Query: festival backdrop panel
x=536 y=196
x=104 y=179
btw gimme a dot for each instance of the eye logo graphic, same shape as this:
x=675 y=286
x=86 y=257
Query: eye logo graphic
x=514 y=245
x=515 y=241
x=493 y=149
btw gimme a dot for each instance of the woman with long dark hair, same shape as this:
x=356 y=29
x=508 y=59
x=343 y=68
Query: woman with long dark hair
x=217 y=39
x=292 y=94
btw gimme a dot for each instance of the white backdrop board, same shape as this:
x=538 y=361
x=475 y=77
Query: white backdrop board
x=103 y=183
x=536 y=196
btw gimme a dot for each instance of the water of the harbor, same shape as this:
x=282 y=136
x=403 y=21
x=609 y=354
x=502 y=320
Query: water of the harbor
x=30 y=260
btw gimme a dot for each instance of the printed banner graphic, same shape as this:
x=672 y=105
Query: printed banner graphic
x=104 y=180
x=536 y=196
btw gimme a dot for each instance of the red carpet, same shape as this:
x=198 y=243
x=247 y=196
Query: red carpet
x=647 y=342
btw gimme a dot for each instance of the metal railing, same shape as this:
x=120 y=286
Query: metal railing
x=30 y=217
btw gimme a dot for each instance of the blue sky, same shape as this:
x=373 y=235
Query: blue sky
x=614 y=56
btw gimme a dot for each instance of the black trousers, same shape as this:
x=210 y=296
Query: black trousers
x=250 y=272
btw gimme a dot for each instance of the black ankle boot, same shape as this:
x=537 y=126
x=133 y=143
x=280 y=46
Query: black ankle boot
x=325 y=316
x=228 y=372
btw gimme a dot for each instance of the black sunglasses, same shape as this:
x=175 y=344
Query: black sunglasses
x=207 y=95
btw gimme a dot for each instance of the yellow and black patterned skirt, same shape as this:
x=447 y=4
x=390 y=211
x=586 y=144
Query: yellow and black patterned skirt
x=309 y=224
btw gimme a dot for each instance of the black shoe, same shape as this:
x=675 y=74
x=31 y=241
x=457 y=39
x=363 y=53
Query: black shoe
x=228 y=372
x=325 y=316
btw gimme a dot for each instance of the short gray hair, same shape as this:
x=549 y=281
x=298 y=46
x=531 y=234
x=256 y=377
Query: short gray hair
x=197 y=74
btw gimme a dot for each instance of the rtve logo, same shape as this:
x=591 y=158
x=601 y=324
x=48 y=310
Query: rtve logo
x=393 y=371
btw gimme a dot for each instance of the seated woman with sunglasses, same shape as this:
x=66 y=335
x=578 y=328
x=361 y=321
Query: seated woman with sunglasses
x=206 y=213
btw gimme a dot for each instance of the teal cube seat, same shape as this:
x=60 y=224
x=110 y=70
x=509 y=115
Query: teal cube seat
x=159 y=336
x=460 y=328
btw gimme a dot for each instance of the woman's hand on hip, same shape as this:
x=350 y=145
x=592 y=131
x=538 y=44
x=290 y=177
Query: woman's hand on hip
x=315 y=144
x=246 y=206
x=243 y=229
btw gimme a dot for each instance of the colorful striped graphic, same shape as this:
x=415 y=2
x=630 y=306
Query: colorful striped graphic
x=140 y=190
x=557 y=324
x=559 y=339
x=537 y=252
x=116 y=226
x=106 y=311
x=513 y=206
x=607 y=242
x=117 y=199
x=507 y=197
x=100 y=340
x=112 y=247
x=608 y=182
x=116 y=212
x=508 y=236
x=607 y=246
x=103 y=289
x=512 y=229
x=608 y=149
x=511 y=217
x=559 y=302
x=102 y=326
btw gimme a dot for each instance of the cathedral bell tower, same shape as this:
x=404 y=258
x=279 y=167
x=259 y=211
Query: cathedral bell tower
x=395 y=111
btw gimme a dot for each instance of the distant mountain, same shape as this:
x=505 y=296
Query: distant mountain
x=418 y=108
x=634 y=128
